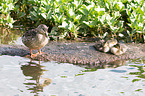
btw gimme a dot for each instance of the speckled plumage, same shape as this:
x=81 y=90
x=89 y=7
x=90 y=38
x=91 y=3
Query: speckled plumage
x=36 y=38
x=33 y=40
x=119 y=49
x=111 y=46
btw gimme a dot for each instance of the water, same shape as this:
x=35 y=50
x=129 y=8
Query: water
x=23 y=77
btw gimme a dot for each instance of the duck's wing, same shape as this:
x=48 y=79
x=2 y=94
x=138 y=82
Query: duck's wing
x=29 y=35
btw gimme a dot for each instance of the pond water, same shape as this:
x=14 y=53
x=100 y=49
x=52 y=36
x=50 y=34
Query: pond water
x=23 y=77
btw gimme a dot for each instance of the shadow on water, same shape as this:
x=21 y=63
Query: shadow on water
x=34 y=70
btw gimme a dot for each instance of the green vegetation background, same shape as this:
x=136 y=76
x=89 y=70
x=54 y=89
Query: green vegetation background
x=71 y=19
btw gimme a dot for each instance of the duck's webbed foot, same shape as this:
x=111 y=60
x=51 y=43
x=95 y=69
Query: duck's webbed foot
x=40 y=52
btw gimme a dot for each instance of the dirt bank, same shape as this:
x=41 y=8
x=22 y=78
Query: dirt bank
x=75 y=52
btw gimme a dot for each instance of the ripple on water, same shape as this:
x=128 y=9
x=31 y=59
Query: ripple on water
x=19 y=76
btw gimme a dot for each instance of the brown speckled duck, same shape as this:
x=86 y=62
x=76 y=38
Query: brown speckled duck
x=36 y=38
x=119 y=49
x=105 y=46
x=109 y=44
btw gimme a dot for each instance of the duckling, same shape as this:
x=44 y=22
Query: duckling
x=36 y=38
x=118 y=49
x=109 y=44
x=99 y=45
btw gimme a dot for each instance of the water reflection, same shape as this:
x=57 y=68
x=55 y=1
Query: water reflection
x=113 y=64
x=140 y=65
x=103 y=82
x=33 y=73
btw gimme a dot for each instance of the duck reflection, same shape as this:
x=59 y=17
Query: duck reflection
x=34 y=81
x=113 y=64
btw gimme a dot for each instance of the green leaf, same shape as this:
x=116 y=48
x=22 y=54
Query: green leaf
x=76 y=3
x=21 y=14
x=64 y=25
x=87 y=23
x=61 y=18
x=48 y=7
x=77 y=18
x=71 y=26
x=84 y=10
x=33 y=13
x=11 y=6
x=71 y=12
x=139 y=11
x=91 y=24
x=9 y=19
x=10 y=24
x=116 y=14
x=55 y=17
x=49 y=15
x=43 y=15
x=35 y=8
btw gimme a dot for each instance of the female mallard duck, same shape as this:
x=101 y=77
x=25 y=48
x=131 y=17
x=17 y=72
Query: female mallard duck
x=119 y=49
x=109 y=44
x=36 y=39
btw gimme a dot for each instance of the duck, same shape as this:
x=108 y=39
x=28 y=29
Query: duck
x=119 y=49
x=109 y=44
x=105 y=45
x=36 y=39
x=99 y=45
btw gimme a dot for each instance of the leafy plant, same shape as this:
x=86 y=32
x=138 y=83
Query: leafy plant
x=5 y=7
x=136 y=13
x=74 y=18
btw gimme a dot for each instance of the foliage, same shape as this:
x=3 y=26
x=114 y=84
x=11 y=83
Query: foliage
x=74 y=18
x=5 y=7
x=136 y=13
